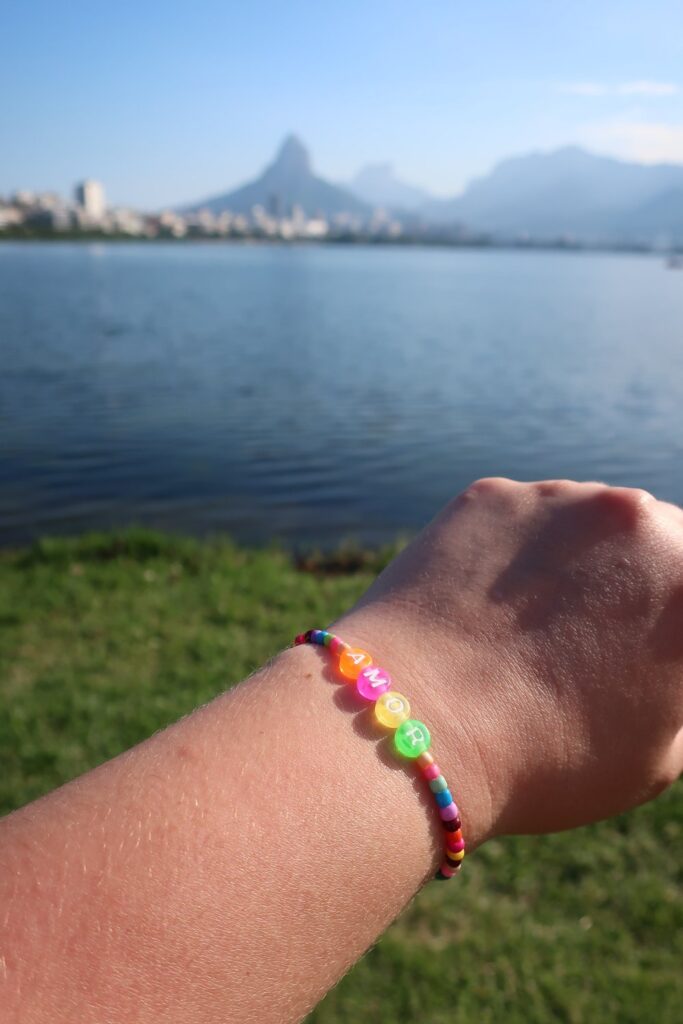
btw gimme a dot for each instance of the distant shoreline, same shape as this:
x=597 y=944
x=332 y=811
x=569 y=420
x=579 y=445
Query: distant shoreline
x=396 y=243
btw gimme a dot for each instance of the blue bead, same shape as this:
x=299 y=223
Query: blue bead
x=318 y=636
x=444 y=799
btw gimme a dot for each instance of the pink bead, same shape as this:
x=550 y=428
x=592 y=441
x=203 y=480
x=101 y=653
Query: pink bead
x=446 y=870
x=432 y=771
x=337 y=645
x=448 y=813
x=372 y=682
x=457 y=846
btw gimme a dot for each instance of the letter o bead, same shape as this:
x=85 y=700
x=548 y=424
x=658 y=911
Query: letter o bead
x=353 y=661
x=412 y=739
x=392 y=708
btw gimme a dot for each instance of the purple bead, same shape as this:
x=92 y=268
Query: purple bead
x=372 y=682
x=448 y=813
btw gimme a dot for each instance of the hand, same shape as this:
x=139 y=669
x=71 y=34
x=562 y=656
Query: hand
x=542 y=625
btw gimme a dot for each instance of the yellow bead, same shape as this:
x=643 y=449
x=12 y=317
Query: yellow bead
x=460 y=855
x=353 y=661
x=392 y=708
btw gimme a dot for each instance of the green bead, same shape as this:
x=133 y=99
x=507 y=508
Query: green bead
x=438 y=784
x=412 y=738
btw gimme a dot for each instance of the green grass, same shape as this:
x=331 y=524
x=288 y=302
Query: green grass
x=107 y=638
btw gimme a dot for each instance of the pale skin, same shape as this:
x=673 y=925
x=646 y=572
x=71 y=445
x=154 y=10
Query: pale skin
x=232 y=867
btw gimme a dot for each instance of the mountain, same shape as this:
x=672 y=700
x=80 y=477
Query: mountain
x=288 y=181
x=571 y=192
x=378 y=185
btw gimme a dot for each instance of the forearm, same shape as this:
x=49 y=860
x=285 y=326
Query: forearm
x=231 y=867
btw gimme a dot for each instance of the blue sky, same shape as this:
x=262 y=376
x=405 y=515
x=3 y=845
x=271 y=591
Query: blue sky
x=168 y=101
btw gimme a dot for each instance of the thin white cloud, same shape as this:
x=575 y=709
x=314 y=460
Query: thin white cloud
x=647 y=88
x=641 y=87
x=647 y=142
x=584 y=88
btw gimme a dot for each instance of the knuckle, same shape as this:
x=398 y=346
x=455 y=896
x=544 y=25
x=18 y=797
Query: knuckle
x=554 y=488
x=630 y=504
x=491 y=485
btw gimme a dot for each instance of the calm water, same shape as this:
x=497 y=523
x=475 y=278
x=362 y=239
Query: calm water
x=315 y=393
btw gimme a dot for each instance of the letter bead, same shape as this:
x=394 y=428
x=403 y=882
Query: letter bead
x=392 y=708
x=353 y=661
x=373 y=682
x=412 y=738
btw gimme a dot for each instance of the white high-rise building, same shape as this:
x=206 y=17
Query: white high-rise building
x=90 y=197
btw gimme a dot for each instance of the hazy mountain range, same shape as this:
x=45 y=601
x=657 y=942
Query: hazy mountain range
x=565 y=193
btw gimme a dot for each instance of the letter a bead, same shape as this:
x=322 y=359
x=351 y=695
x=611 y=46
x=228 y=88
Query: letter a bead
x=353 y=661
x=412 y=739
x=372 y=682
x=392 y=708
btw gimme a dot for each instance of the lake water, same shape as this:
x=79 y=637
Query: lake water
x=323 y=392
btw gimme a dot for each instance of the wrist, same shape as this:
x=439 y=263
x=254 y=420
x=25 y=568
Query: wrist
x=444 y=688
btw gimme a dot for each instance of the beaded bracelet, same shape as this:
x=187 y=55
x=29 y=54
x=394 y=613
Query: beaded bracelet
x=411 y=737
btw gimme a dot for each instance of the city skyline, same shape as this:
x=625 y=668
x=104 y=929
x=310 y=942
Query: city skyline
x=167 y=103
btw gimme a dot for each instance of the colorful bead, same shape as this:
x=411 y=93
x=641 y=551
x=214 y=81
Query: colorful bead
x=448 y=813
x=447 y=870
x=412 y=738
x=432 y=771
x=453 y=837
x=337 y=645
x=444 y=799
x=372 y=682
x=452 y=826
x=455 y=847
x=424 y=759
x=456 y=857
x=438 y=785
x=353 y=661
x=392 y=708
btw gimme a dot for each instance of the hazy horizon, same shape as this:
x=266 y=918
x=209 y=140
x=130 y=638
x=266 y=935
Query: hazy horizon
x=167 y=103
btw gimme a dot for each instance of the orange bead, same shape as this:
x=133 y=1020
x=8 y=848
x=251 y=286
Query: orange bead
x=353 y=661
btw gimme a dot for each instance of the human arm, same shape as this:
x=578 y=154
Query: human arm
x=234 y=865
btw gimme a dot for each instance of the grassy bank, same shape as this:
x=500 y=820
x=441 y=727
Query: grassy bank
x=105 y=639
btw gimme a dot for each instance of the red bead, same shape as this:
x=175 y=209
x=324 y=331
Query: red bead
x=452 y=826
x=453 y=839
